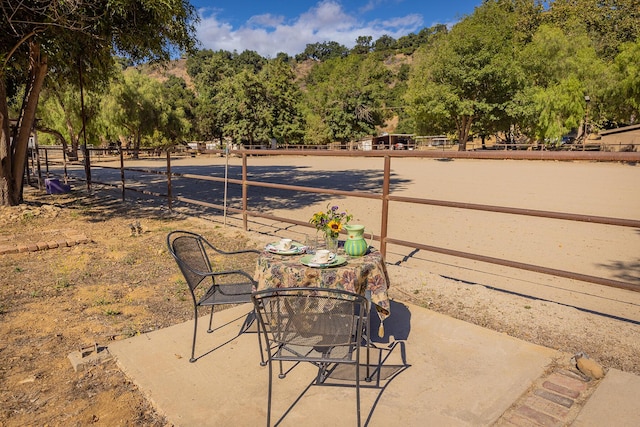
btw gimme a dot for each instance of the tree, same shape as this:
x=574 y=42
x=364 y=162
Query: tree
x=283 y=97
x=560 y=69
x=144 y=112
x=208 y=70
x=65 y=38
x=466 y=76
x=323 y=51
x=344 y=98
x=384 y=43
x=60 y=113
x=242 y=100
x=178 y=109
x=363 y=45
x=626 y=89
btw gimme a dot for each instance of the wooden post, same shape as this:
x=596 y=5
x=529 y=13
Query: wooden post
x=169 y=192
x=385 y=205
x=122 y=170
x=245 y=224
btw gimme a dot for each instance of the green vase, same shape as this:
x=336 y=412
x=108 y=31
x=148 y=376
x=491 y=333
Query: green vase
x=355 y=245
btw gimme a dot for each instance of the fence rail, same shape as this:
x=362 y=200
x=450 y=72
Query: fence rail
x=385 y=197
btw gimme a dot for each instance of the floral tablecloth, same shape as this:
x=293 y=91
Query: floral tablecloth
x=359 y=274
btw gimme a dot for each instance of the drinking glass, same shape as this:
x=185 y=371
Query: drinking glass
x=311 y=242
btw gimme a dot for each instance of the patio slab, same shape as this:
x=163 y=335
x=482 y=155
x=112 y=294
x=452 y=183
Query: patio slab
x=442 y=371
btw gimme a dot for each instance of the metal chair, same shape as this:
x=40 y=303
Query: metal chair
x=325 y=327
x=191 y=252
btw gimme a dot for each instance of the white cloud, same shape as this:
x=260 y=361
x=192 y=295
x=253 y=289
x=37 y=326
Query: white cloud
x=266 y=20
x=327 y=21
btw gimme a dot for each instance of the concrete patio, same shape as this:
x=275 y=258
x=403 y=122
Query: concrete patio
x=441 y=372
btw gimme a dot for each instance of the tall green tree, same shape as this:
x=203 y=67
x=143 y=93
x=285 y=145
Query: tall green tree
x=625 y=92
x=345 y=98
x=242 y=100
x=178 y=110
x=467 y=76
x=62 y=37
x=323 y=51
x=60 y=113
x=208 y=70
x=144 y=112
x=560 y=70
x=283 y=97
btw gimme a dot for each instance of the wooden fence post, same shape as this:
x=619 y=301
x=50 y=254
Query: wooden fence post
x=385 y=205
x=244 y=192
x=122 y=170
x=169 y=192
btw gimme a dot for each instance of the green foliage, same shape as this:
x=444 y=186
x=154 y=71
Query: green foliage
x=560 y=69
x=608 y=23
x=344 y=97
x=511 y=65
x=67 y=38
x=627 y=88
x=467 y=76
x=245 y=100
x=283 y=97
x=142 y=111
x=323 y=51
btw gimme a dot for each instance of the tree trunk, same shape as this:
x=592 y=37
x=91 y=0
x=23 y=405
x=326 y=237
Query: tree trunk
x=6 y=178
x=55 y=133
x=464 y=127
x=136 y=145
x=26 y=120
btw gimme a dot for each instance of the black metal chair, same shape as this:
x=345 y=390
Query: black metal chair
x=191 y=252
x=325 y=327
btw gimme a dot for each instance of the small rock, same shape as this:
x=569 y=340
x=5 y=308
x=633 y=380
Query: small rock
x=588 y=367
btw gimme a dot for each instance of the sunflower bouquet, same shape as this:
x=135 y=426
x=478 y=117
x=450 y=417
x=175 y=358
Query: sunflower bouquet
x=331 y=221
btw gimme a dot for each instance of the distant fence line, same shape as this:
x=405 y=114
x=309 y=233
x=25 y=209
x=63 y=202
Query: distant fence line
x=385 y=197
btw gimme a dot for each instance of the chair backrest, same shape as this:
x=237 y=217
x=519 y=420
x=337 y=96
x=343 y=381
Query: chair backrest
x=328 y=323
x=189 y=252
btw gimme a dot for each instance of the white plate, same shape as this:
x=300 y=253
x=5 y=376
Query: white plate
x=334 y=260
x=295 y=249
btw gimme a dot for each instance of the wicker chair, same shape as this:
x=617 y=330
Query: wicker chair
x=191 y=251
x=325 y=327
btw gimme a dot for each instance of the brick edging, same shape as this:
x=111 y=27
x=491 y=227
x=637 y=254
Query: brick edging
x=554 y=401
x=65 y=241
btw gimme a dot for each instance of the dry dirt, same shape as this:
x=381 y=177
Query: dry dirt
x=119 y=284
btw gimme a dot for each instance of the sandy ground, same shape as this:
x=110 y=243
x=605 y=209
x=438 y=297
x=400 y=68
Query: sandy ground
x=589 y=188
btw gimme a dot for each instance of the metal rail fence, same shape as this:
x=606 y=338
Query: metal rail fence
x=385 y=197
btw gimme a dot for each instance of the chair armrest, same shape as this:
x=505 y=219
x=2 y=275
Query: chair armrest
x=240 y=251
x=229 y=272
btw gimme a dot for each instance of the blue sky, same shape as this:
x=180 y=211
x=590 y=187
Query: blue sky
x=269 y=27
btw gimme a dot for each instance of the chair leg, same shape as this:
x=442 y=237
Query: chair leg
x=270 y=389
x=211 y=319
x=358 y=391
x=369 y=374
x=195 y=330
x=255 y=319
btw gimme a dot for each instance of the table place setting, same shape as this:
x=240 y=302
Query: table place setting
x=323 y=259
x=286 y=247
